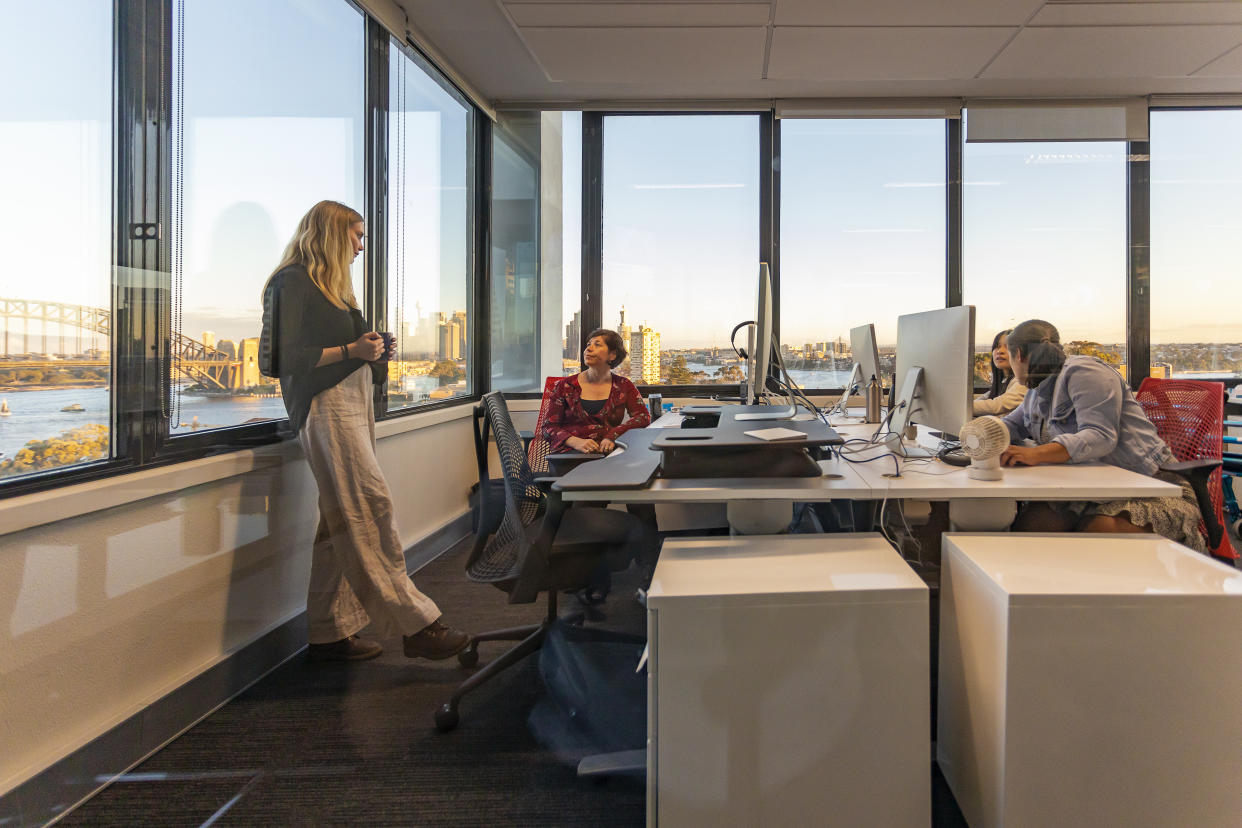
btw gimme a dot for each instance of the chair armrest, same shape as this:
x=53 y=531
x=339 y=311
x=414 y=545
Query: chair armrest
x=1196 y=473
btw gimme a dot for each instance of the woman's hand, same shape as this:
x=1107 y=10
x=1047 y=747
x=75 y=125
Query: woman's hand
x=369 y=346
x=1020 y=456
x=1034 y=455
x=583 y=444
x=606 y=446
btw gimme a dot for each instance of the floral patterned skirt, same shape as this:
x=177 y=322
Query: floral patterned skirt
x=1175 y=517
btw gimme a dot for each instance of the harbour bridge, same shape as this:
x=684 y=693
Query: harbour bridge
x=199 y=362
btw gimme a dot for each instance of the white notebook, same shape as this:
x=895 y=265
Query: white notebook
x=777 y=434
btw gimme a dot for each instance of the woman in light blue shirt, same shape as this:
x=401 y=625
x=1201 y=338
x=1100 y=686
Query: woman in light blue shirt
x=1079 y=409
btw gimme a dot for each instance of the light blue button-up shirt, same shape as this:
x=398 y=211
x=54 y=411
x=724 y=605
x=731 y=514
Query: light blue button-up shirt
x=1089 y=409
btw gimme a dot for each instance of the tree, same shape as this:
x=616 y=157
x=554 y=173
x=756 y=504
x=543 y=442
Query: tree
x=678 y=373
x=1087 y=348
x=448 y=371
x=75 y=446
x=730 y=373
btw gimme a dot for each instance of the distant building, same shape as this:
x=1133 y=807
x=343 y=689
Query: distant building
x=459 y=317
x=645 y=356
x=209 y=339
x=624 y=331
x=450 y=340
x=249 y=357
x=573 y=337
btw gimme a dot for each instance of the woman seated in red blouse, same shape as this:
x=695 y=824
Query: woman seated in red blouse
x=585 y=411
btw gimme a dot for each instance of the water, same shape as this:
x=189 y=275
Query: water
x=805 y=378
x=37 y=415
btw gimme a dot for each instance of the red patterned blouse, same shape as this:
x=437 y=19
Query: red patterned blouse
x=567 y=418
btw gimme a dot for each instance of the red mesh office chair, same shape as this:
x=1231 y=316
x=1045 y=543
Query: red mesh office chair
x=1188 y=415
x=537 y=448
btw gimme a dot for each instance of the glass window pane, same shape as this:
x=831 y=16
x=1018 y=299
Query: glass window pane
x=681 y=241
x=862 y=237
x=56 y=231
x=1045 y=238
x=571 y=235
x=1196 y=233
x=272 y=123
x=430 y=161
x=515 y=253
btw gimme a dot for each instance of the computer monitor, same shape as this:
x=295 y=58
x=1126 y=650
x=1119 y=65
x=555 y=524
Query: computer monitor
x=935 y=369
x=866 y=360
x=759 y=357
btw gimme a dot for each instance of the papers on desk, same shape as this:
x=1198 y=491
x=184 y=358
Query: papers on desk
x=777 y=434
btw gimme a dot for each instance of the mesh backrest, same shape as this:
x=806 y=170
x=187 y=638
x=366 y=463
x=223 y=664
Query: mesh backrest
x=1188 y=415
x=539 y=448
x=499 y=558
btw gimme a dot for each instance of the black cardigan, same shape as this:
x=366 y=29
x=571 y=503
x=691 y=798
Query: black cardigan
x=303 y=323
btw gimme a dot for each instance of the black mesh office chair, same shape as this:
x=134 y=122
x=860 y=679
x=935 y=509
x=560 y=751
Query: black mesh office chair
x=538 y=546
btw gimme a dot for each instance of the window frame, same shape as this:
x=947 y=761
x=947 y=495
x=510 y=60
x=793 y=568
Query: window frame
x=592 y=292
x=141 y=182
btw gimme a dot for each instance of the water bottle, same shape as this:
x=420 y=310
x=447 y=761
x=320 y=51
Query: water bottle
x=873 y=401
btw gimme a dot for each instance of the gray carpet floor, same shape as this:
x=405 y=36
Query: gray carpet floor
x=355 y=744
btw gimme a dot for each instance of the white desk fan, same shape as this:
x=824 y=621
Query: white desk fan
x=983 y=440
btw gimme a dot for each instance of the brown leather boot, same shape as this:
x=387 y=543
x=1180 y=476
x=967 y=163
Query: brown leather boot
x=435 y=641
x=347 y=649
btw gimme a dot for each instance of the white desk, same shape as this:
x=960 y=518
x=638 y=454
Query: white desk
x=787 y=683
x=1089 y=680
x=932 y=480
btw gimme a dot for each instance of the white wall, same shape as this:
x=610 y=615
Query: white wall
x=107 y=611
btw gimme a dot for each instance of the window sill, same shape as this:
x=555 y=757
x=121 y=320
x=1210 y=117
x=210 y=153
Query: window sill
x=64 y=502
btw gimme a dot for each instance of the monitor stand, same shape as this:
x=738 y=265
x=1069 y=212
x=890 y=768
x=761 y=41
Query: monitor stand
x=903 y=403
x=782 y=412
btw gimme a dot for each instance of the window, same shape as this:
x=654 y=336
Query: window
x=1044 y=228
x=269 y=122
x=56 y=230
x=862 y=237
x=570 y=209
x=681 y=241
x=1196 y=224
x=430 y=234
x=515 y=253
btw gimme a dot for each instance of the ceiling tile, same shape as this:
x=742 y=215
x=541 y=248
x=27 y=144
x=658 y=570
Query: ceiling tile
x=639 y=14
x=646 y=54
x=882 y=53
x=904 y=12
x=1132 y=14
x=1226 y=66
x=1113 y=51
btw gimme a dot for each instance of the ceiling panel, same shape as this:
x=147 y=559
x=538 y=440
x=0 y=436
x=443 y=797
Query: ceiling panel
x=904 y=12
x=879 y=53
x=1113 y=52
x=1130 y=14
x=1227 y=66
x=620 y=56
x=639 y=14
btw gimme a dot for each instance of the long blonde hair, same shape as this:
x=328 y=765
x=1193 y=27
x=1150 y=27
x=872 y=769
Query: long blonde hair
x=321 y=245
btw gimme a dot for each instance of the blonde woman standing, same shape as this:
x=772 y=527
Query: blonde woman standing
x=328 y=359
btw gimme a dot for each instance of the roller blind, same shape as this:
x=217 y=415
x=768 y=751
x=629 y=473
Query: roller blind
x=1086 y=120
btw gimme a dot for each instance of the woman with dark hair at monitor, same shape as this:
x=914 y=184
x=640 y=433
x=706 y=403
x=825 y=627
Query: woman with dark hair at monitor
x=586 y=411
x=1079 y=409
x=1006 y=392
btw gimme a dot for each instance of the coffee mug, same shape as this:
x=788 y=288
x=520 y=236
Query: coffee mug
x=390 y=344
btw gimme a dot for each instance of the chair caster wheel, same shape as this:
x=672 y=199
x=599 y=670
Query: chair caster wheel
x=469 y=656
x=446 y=718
